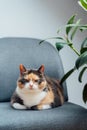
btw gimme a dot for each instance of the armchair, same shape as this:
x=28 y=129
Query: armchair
x=27 y=51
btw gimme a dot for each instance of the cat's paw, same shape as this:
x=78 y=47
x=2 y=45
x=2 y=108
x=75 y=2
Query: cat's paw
x=45 y=106
x=18 y=106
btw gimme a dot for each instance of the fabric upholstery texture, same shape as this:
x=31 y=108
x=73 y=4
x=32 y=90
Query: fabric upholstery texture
x=14 y=51
x=67 y=117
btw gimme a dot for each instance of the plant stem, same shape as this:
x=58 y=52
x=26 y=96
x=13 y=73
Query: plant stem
x=74 y=49
x=70 y=44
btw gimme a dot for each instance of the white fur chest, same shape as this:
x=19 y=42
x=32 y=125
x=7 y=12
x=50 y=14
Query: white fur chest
x=32 y=98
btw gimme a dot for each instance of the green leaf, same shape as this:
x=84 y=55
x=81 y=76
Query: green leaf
x=70 y=21
x=85 y=93
x=83 y=27
x=67 y=75
x=60 y=45
x=84 y=43
x=81 y=60
x=74 y=25
x=75 y=29
x=60 y=38
x=83 y=4
x=81 y=74
x=83 y=50
x=84 y=46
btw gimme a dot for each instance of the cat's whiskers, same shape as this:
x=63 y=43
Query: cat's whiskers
x=27 y=91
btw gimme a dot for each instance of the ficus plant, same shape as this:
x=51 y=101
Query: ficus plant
x=71 y=28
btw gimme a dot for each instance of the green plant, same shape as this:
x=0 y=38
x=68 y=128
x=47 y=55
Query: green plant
x=71 y=28
x=83 y=4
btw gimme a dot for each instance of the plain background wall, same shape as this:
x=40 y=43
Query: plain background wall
x=41 y=19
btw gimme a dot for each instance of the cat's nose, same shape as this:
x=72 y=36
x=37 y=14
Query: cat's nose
x=31 y=86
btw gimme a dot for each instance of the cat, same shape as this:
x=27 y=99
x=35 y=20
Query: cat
x=36 y=91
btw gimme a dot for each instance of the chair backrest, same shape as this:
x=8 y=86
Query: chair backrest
x=14 y=51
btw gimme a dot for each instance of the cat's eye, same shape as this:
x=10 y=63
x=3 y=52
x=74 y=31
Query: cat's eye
x=36 y=80
x=26 y=80
x=23 y=81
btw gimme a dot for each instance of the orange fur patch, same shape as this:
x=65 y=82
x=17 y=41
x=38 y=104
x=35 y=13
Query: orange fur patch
x=49 y=98
x=31 y=76
x=40 y=106
x=42 y=85
x=20 y=85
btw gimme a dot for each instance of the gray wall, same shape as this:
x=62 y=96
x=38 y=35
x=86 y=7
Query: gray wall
x=41 y=19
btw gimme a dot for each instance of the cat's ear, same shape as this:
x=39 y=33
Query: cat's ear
x=22 y=69
x=41 y=69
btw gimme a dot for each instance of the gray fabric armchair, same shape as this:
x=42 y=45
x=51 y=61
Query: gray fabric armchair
x=27 y=51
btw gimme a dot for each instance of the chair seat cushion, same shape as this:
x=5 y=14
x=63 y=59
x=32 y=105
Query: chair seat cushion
x=66 y=117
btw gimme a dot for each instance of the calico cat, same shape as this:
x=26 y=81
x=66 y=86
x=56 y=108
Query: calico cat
x=36 y=91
